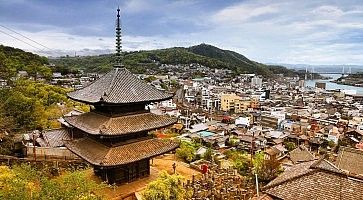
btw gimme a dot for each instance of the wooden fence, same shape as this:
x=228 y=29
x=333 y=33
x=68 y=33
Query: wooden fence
x=45 y=153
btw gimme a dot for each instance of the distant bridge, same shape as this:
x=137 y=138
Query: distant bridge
x=331 y=73
x=343 y=72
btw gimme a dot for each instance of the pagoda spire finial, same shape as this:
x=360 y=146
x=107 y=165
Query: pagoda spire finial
x=118 y=40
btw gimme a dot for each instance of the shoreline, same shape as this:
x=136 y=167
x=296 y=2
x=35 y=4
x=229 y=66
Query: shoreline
x=349 y=84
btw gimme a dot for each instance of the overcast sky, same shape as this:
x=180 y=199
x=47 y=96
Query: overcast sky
x=286 y=31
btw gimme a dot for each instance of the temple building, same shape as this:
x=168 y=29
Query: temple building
x=113 y=136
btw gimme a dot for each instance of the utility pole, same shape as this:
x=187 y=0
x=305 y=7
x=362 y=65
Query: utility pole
x=258 y=194
x=34 y=150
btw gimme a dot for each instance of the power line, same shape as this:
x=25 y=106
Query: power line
x=25 y=37
x=20 y=40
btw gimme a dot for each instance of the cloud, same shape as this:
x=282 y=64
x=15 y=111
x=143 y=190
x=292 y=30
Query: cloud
x=328 y=12
x=242 y=12
x=315 y=32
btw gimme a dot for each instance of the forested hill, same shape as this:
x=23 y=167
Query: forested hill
x=13 y=60
x=138 y=61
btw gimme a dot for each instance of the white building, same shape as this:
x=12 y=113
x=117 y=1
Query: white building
x=256 y=82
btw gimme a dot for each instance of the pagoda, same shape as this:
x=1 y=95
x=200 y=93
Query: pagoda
x=113 y=137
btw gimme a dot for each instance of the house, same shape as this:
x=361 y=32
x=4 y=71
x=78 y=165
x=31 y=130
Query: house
x=301 y=154
x=199 y=127
x=243 y=121
x=350 y=160
x=275 y=152
x=315 y=180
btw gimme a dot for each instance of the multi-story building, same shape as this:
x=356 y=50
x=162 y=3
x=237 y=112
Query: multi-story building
x=234 y=103
x=256 y=82
x=269 y=121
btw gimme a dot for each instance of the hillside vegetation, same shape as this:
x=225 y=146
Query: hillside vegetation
x=13 y=60
x=27 y=104
x=139 y=61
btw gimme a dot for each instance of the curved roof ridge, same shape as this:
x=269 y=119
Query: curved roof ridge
x=110 y=87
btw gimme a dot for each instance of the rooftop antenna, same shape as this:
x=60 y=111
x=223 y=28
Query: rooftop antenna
x=118 y=40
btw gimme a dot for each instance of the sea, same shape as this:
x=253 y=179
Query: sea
x=332 y=86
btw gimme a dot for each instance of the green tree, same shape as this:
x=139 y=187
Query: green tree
x=34 y=105
x=240 y=161
x=187 y=151
x=27 y=183
x=208 y=154
x=266 y=170
x=270 y=170
x=165 y=187
x=290 y=146
x=150 y=79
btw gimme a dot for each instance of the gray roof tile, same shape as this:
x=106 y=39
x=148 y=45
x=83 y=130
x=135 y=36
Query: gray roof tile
x=119 y=86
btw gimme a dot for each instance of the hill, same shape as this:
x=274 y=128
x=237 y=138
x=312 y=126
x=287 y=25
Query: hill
x=13 y=60
x=140 y=61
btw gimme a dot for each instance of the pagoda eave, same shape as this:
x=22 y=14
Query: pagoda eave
x=101 y=125
x=100 y=155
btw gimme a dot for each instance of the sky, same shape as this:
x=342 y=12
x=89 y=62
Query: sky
x=268 y=31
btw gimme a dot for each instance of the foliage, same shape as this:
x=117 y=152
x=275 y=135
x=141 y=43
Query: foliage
x=166 y=187
x=258 y=162
x=13 y=60
x=30 y=105
x=240 y=161
x=142 y=61
x=266 y=170
x=270 y=170
x=208 y=155
x=164 y=86
x=150 y=79
x=290 y=146
x=331 y=144
x=25 y=182
x=233 y=141
x=187 y=151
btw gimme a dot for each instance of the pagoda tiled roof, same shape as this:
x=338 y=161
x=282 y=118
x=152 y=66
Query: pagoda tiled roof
x=119 y=86
x=315 y=180
x=101 y=155
x=98 y=124
x=350 y=160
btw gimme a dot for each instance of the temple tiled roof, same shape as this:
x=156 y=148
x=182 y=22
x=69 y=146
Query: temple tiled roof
x=350 y=160
x=301 y=154
x=102 y=155
x=56 y=137
x=98 y=124
x=315 y=180
x=119 y=86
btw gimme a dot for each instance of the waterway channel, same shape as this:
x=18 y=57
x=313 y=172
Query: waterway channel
x=333 y=86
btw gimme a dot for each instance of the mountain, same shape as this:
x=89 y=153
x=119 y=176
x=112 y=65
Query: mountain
x=138 y=61
x=13 y=60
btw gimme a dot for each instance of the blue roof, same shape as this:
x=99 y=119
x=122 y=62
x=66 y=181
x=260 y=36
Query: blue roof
x=205 y=133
